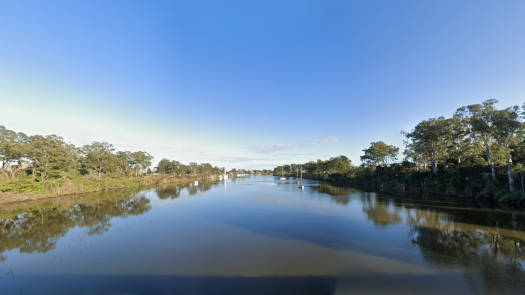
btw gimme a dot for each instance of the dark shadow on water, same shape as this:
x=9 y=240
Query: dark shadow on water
x=137 y=284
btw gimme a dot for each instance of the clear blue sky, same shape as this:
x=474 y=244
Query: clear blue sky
x=252 y=84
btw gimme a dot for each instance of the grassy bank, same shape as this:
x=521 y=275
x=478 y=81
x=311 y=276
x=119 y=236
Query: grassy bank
x=25 y=188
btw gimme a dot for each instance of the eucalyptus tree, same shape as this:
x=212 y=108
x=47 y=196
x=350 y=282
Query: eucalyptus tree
x=140 y=161
x=482 y=127
x=99 y=157
x=124 y=159
x=165 y=167
x=340 y=164
x=430 y=138
x=506 y=128
x=379 y=153
x=12 y=151
x=460 y=145
x=49 y=155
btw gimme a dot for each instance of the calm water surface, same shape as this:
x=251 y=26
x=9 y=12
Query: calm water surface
x=257 y=235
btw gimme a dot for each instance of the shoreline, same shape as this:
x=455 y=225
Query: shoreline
x=71 y=190
x=418 y=193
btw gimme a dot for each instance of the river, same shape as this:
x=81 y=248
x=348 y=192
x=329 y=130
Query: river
x=259 y=235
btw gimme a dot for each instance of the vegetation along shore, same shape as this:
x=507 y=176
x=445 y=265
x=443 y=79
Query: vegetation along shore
x=36 y=167
x=477 y=153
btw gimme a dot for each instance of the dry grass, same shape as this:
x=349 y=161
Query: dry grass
x=91 y=184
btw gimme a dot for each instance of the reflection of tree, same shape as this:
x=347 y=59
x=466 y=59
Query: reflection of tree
x=39 y=230
x=497 y=259
x=380 y=212
x=193 y=189
x=168 y=192
x=333 y=190
x=340 y=195
x=203 y=187
x=174 y=191
x=490 y=262
x=491 y=257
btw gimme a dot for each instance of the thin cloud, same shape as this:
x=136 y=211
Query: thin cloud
x=278 y=147
x=240 y=159
x=326 y=140
x=272 y=148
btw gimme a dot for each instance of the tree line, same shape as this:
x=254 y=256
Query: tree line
x=50 y=157
x=173 y=167
x=479 y=151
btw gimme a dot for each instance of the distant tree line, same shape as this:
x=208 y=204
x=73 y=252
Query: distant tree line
x=166 y=166
x=478 y=152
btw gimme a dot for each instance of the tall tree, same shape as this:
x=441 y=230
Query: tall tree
x=165 y=167
x=506 y=127
x=481 y=120
x=430 y=138
x=49 y=154
x=379 y=153
x=140 y=161
x=12 y=151
x=98 y=156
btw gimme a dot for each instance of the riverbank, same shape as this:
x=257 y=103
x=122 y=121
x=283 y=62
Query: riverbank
x=471 y=184
x=25 y=189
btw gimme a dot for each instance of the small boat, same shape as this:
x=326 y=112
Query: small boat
x=283 y=178
x=196 y=182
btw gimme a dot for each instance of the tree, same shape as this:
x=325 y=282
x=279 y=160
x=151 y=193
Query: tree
x=98 y=156
x=460 y=143
x=124 y=161
x=379 y=153
x=339 y=164
x=12 y=151
x=430 y=138
x=140 y=161
x=165 y=167
x=481 y=120
x=506 y=127
x=49 y=154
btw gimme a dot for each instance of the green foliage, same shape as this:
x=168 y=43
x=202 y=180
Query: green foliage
x=48 y=165
x=166 y=166
x=478 y=153
x=379 y=153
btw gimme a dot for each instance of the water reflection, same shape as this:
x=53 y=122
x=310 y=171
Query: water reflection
x=380 y=211
x=340 y=195
x=470 y=241
x=288 y=237
x=169 y=192
x=42 y=225
x=172 y=192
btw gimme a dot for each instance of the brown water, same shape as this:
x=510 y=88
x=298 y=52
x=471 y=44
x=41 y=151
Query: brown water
x=258 y=235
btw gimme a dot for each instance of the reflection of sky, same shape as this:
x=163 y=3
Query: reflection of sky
x=252 y=227
x=252 y=85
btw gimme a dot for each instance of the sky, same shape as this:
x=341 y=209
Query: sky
x=252 y=84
